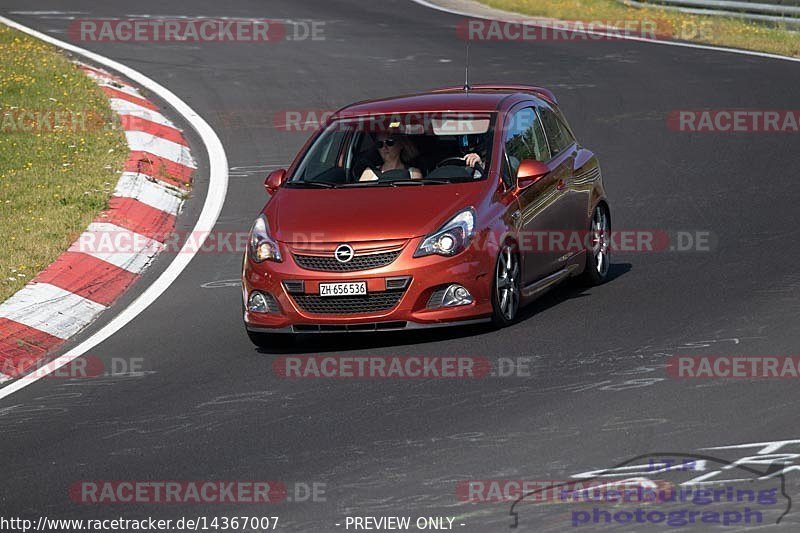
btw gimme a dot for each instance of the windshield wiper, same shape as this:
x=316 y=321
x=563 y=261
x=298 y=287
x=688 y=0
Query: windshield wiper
x=319 y=184
x=396 y=183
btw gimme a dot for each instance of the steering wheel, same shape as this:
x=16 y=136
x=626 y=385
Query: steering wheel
x=395 y=174
x=459 y=162
x=452 y=161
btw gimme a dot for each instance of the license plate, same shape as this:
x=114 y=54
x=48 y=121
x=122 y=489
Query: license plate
x=353 y=288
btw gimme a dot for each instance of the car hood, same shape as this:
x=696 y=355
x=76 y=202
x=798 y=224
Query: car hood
x=366 y=214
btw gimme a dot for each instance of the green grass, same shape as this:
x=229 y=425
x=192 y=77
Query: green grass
x=720 y=31
x=52 y=182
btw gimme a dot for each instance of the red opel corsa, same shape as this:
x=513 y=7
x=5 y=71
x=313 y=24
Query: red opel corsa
x=450 y=207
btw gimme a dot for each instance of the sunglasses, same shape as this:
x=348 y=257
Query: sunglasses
x=388 y=142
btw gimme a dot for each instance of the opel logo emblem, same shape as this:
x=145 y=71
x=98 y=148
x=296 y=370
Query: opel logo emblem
x=344 y=253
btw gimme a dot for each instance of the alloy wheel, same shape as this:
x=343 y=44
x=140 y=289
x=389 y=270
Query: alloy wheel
x=600 y=241
x=507 y=283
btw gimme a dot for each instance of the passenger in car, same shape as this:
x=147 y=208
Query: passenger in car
x=397 y=152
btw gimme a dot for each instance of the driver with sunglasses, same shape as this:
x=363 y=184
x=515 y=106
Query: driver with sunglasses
x=396 y=152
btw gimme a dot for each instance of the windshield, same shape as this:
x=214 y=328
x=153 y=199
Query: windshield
x=398 y=150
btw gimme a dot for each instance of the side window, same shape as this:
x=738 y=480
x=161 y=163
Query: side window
x=557 y=133
x=524 y=139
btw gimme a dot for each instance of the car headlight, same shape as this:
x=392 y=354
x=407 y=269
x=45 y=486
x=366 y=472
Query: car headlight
x=262 y=246
x=451 y=238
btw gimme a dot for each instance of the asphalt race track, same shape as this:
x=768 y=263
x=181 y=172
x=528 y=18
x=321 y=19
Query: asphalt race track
x=209 y=406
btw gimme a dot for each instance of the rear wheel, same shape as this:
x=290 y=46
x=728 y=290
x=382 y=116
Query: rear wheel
x=506 y=287
x=598 y=256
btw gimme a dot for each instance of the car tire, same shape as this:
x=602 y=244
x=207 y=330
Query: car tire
x=598 y=256
x=270 y=340
x=506 y=286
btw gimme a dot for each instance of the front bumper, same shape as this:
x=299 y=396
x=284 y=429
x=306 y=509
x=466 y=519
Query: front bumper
x=471 y=268
x=367 y=327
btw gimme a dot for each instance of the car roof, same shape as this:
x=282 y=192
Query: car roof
x=478 y=99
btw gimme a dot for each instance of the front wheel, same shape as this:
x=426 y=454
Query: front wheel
x=598 y=256
x=506 y=287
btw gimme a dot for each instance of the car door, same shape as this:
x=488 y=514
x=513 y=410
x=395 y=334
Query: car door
x=567 y=239
x=524 y=138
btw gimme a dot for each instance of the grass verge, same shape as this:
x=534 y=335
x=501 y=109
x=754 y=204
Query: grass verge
x=61 y=152
x=720 y=31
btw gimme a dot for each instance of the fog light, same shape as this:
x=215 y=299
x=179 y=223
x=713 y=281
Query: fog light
x=262 y=303
x=456 y=295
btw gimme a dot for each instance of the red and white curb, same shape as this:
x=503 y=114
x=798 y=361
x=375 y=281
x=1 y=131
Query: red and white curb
x=83 y=282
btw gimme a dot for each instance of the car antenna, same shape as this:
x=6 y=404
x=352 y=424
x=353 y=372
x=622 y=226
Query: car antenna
x=466 y=71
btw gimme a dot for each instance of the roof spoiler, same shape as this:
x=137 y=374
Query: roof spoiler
x=547 y=94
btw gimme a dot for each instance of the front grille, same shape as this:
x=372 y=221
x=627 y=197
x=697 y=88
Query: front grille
x=272 y=304
x=373 y=302
x=359 y=262
x=397 y=283
x=336 y=328
x=436 y=298
x=294 y=285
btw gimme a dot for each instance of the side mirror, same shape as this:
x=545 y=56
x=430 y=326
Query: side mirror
x=530 y=171
x=275 y=180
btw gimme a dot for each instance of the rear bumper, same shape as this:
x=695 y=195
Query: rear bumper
x=472 y=268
